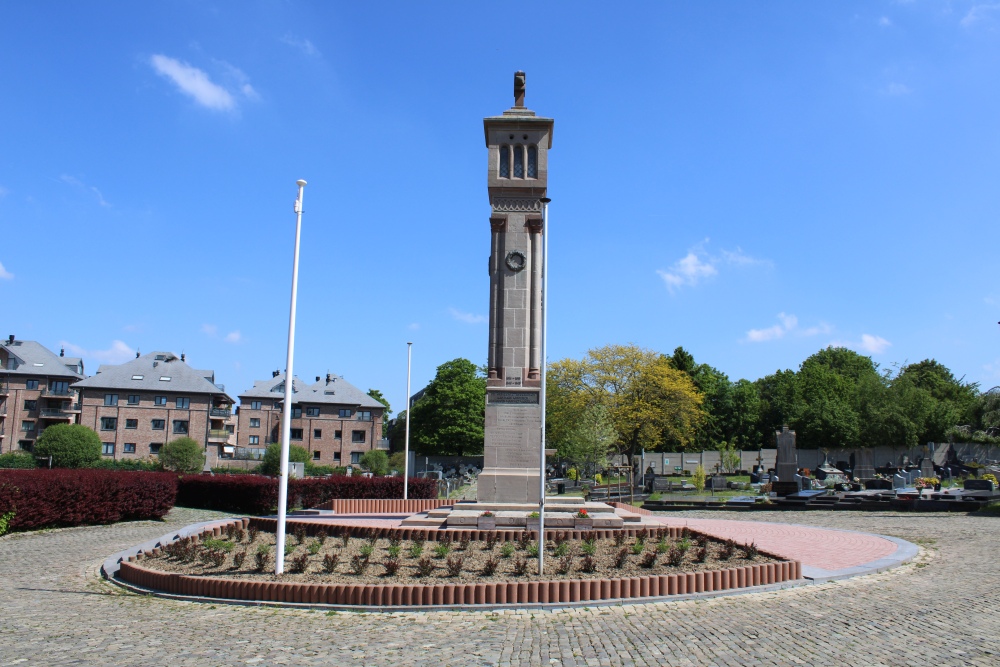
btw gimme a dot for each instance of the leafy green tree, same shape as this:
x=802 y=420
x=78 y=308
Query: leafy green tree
x=780 y=402
x=449 y=418
x=17 y=460
x=949 y=400
x=182 y=455
x=69 y=445
x=375 y=461
x=588 y=440
x=271 y=463
x=377 y=395
x=743 y=423
x=397 y=461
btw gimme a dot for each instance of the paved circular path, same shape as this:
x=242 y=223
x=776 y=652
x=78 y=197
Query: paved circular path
x=941 y=609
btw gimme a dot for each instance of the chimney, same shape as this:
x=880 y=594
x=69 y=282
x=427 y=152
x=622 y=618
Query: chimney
x=182 y=356
x=274 y=374
x=317 y=378
x=62 y=351
x=137 y=354
x=10 y=339
x=329 y=378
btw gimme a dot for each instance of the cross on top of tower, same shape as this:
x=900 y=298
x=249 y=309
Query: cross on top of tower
x=519 y=89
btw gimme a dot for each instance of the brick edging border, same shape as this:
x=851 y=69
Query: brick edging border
x=410 y=595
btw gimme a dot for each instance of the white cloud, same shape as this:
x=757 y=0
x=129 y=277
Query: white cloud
x=302 y=44
x=193 y=82
x=468 y=318
x=869 y=343
x=895 y=89
x=821 y=328
x=884 y=22
x=209 y=329
x=415 y=326
x=234 y=337
x=787 y=324
x=239 y=79
x=5 y=274
x=978 y=13
x=118 y=353
x=698 y=265
x=80 y=185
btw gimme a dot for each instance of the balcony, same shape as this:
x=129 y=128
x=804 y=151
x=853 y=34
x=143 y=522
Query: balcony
x=57 y=413
x=218 y=435
x=221 y=412
x=57 y=391
x=383 y=444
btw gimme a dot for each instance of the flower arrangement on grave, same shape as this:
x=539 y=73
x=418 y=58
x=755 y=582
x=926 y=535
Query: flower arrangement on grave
x=926 y=482
x=487 y=514
x=990 y=477
x=582 y=514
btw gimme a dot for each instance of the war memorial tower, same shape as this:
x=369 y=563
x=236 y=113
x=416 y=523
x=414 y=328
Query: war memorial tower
x=518 y=144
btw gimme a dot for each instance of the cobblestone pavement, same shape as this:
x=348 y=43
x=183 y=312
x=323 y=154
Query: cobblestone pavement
x=941 y=609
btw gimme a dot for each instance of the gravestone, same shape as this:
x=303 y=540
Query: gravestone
x=979 y=485
x=927 y=467
x=787 y=463
x=518 y=142
x=864 y=468
x=899 y=482
x=718 y=483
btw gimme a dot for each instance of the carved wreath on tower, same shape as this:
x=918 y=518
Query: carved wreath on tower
x=515 y=260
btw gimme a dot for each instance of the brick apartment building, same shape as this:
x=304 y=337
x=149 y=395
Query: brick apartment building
x=138 y=406
x=332 y=419
x=35 y=392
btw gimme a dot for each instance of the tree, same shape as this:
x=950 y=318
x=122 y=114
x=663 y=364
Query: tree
x=376 y=462
x=449 y=418
x=949 y=401
x=397 y=462
x=271 y=463
x=377 y=395
x=586 y=440
x=780 y=401
x=182 y=455
x=69 y=445
x=743 y=423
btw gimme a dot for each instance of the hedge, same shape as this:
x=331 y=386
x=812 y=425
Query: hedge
x=256 y=494
x=50 y=498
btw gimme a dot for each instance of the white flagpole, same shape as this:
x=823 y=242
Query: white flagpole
x=545 y=333
x=406 y=441
x=286 y=411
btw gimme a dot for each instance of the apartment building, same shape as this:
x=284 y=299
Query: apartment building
x=35 y=392
x=332 y=419
x=138 y=406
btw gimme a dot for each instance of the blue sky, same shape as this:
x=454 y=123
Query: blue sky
x=753 y=181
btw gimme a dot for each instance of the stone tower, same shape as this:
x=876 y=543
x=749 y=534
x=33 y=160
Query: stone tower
x=517 y=178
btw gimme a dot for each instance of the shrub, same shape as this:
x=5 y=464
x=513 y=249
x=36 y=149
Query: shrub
x=128 y=464
x=648 y=559
x=621 y=558
x=299 y=563
x=455 y=565
x=238 y=559
x=675 y=557
x=520 y=567
x=391 y=566
x=50 y=498
x=507 y=549
x=69 y=445
x=375 y=461
x=182 y=455
x=565 y=563
x=698 y=478
x=330 y=562
x=588 y=564
x=5 y=521
x=271 y=463
x=490 y=566
x=19 y=460
x=425 y=566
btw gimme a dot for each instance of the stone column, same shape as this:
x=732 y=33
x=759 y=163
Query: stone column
x=495 y=357
x=534 y=227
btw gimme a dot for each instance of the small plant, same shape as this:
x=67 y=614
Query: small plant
x=701 y=554
x=492 y=539
x=487 y=514
x=455 y=565
x=728 y=550
x=314 y=547
x=215 y=543
x=231 y=531
x=345 y=539
x=391 y=566
x=701 y=540
x=562 y=549
x=686 y=532
x=241 y=535
x=507 y=549
x=330 y=563
x=394 y=541
x=621 y=558
x=638 y=547
x=217 y=557
x=425 y=566
x=463 y=545
x=620 y=538
x=675 y=557
x=588 y=548
x=394 y=550
x=589 y=537
x=359 y=564
x=684 y=545
x=588 y=564
x=416 y=549
x=582 y=514
x=533 y=550
x=262 y=559
x=523 y=540
x=321 y=537
x=520 y=566
x=565 y=563
x=371 y=536
x=252 y=533
x=299 y=564
x=289 y=548
x=418 y=540
x=663 y=546
x=534 y=515
x=648 y=560
x=491 y=565
x=442 y=549
x=238 y=559
x=366 y=550
x=642 y=535
x=750 y=551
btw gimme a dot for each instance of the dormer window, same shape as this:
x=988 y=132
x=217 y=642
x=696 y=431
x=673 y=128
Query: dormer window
x=505 y=162
x=532 y=162
x=518 y=162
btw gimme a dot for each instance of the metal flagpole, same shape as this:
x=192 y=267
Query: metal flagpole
x=406 y=441
x=544 y=351
x=286 y=412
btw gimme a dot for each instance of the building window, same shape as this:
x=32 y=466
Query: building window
x=345 y=413
x=31 y=384
x=532 y=162
x=30 y=405
x=28 y=426
x=315 y=456
x=296 y=433
x=505 y=162
x=154 y=448
x=109 y=423
x=180 y=426
x=518 y=162
x=336 y=457
x=312 y=412
x=254 y=439
x=255 y=405
x=355 y=458
x=111 y=399
x=159 y=424
x=336 y=435
x=59 y=387
x=183 y=403
x=364 y=415
x=129 y=448
x=131 y=423
x=160 y=400
x=357 y=436
x=26 y=445
x=108 y=448
x=296 y=412
x=317 y=433
x=133 y=399
x=255 y=422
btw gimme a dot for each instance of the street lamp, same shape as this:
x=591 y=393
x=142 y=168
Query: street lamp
x=545 y=333
x=406 y=440
x=286 y=409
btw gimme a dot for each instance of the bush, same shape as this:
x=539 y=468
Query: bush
x=182 y=455
x=48 y=498
x=255 y=494
x=69 y=445
x=698 y=479
x=376 y=461
x=128 y=464
x=271 y=463
x=17 y=460
x=397 y=462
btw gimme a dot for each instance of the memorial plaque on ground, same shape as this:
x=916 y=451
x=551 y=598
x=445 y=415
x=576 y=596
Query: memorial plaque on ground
x=978 y=485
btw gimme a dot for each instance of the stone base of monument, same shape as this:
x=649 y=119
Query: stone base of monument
x=783 y=489
x=559 y=513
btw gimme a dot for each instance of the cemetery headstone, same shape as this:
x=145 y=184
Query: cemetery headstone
x=787 y=465
x=864 y=467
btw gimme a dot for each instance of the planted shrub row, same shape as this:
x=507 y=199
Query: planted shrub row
x=51 y=498
x=256 y=494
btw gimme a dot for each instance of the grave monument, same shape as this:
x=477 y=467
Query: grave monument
x=786 y=466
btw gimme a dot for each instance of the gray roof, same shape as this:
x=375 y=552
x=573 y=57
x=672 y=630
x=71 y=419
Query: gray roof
x=147 y=373
x=34 y=359
x=336 y=391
